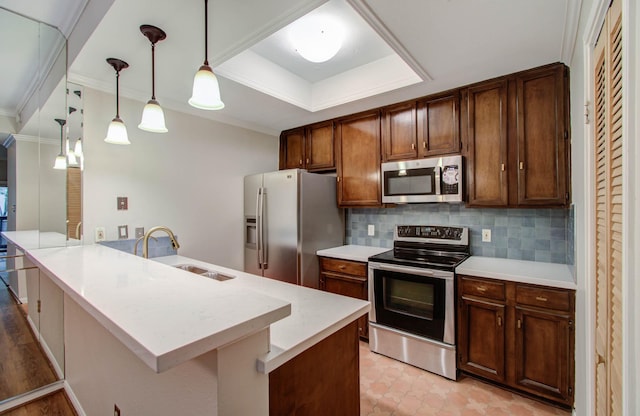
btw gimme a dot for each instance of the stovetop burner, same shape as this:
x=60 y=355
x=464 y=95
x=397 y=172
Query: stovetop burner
x=433 y=247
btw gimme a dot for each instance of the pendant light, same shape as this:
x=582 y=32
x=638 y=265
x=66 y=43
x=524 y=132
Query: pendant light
x=206 y=91
x=61 y=160
x=152 y=115
x=117 y=133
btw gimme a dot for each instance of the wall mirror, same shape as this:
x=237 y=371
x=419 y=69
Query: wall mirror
x=33 y=95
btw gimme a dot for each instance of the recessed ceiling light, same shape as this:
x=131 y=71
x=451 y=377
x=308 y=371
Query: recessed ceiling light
x=316 y=37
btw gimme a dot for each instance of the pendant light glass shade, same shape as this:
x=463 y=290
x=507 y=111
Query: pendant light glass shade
x=153 y=118
x=60 y=163
x=152 y=114
x=206 y=91
x=77 y=149
x=117 y=133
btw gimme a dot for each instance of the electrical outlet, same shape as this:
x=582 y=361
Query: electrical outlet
x=371 y=230
x=123 y=203
x=139 y=232
x=100 y=236
x=486 y=235
x=123 y=232
x=116 y=410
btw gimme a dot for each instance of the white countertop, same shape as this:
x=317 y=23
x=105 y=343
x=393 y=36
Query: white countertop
x=352 y=252
x=533 y=272
x=314 y=314
x=164 y=315
x=31 y=239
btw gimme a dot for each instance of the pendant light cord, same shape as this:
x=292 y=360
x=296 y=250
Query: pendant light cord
x=117 y=94
x=206 y=36
x=153 y=71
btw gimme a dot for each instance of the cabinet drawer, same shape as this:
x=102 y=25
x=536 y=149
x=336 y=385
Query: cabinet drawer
x=484 y=288
x=343 y=266
x=543 y=297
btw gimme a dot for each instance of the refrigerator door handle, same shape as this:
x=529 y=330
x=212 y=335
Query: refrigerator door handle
x=259 y=227
x=265 y=246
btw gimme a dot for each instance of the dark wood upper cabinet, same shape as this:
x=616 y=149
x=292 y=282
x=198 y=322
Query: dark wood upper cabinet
x=486 y=127
x=439 y=125
x=516 y=139
x=358 y=157
x=310 y=148
x=399 y=133
x=292 y=149
x=542 y=137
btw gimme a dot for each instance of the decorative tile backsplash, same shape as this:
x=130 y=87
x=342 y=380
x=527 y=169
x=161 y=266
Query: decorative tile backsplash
x=158 y=246
x=544 y=235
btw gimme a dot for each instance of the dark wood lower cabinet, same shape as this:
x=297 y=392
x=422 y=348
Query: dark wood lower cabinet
x=482 y=342
x=518 y=335
x=348 y=278
x=323 y=380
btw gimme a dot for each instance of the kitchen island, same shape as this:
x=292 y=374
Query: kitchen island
x=153 y=339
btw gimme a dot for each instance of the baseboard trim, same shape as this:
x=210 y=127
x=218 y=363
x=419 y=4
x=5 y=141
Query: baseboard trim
x=73 y=399
x=22 y=399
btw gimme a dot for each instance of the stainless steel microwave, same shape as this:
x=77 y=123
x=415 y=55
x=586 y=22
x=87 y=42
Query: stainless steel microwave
x=437 y=179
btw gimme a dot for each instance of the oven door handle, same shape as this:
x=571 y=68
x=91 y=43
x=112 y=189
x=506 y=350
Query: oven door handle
x=437 y=274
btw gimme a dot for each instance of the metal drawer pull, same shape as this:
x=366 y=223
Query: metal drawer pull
x=519 y=324
x=502 y=167
x=541 y=298
x=481 y=288
x=342 y=267
x=521 y=165
x=499 y=320
x=413 y=146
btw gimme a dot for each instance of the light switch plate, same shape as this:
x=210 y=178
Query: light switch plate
x=371 y=230
x=486 y=235
x=123 y=232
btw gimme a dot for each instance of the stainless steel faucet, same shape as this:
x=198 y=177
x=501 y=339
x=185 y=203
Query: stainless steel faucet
x=145 y=239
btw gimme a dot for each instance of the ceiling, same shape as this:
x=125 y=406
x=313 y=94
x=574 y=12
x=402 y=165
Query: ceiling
x=404 y=50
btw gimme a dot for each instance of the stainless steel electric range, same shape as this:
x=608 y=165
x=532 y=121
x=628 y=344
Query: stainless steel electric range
x=411 y=288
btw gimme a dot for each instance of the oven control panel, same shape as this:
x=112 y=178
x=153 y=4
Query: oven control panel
x=436 y=232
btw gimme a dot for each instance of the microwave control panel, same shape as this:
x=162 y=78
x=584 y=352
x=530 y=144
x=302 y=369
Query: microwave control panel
x=450 y=179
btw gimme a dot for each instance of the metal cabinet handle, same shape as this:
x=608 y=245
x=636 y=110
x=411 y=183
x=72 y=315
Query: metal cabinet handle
x=413 y=146
x=499 y=321
x=502 y=167
x=481 y=288
x=521 y=165
x=307 y=161
x=342 y=267
x=519 y=324
x=541 y=298
x=300 y=162
x=424 y=145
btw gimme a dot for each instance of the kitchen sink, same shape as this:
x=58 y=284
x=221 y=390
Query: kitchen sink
x=211 y=274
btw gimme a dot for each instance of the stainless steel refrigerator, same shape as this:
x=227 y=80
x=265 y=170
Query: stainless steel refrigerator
x=289 y=214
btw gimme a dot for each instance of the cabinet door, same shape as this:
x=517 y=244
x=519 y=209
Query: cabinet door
x=487 y=144
x=399 y=132
x=482 y=338
x=439 y=125
x=544 y=354
x=542 y=137
x=292 y=149
x=358 y=154
x=319 y=147
x=348 y=286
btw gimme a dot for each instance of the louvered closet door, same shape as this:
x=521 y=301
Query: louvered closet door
x=607 y=74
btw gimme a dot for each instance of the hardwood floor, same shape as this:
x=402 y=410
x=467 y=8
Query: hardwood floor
x=23 y=366
x=55 y=404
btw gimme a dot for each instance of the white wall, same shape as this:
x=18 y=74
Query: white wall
x=190 y=179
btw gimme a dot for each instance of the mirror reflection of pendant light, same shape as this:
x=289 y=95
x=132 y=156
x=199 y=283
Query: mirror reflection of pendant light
x=61 y=159
x=206 y=91
x=117 y=133
x=71 y=155
x=152 y=115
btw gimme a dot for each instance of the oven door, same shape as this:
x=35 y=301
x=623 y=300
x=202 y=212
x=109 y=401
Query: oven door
x=414 y=300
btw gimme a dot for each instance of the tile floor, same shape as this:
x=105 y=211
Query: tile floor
x=391 y=388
